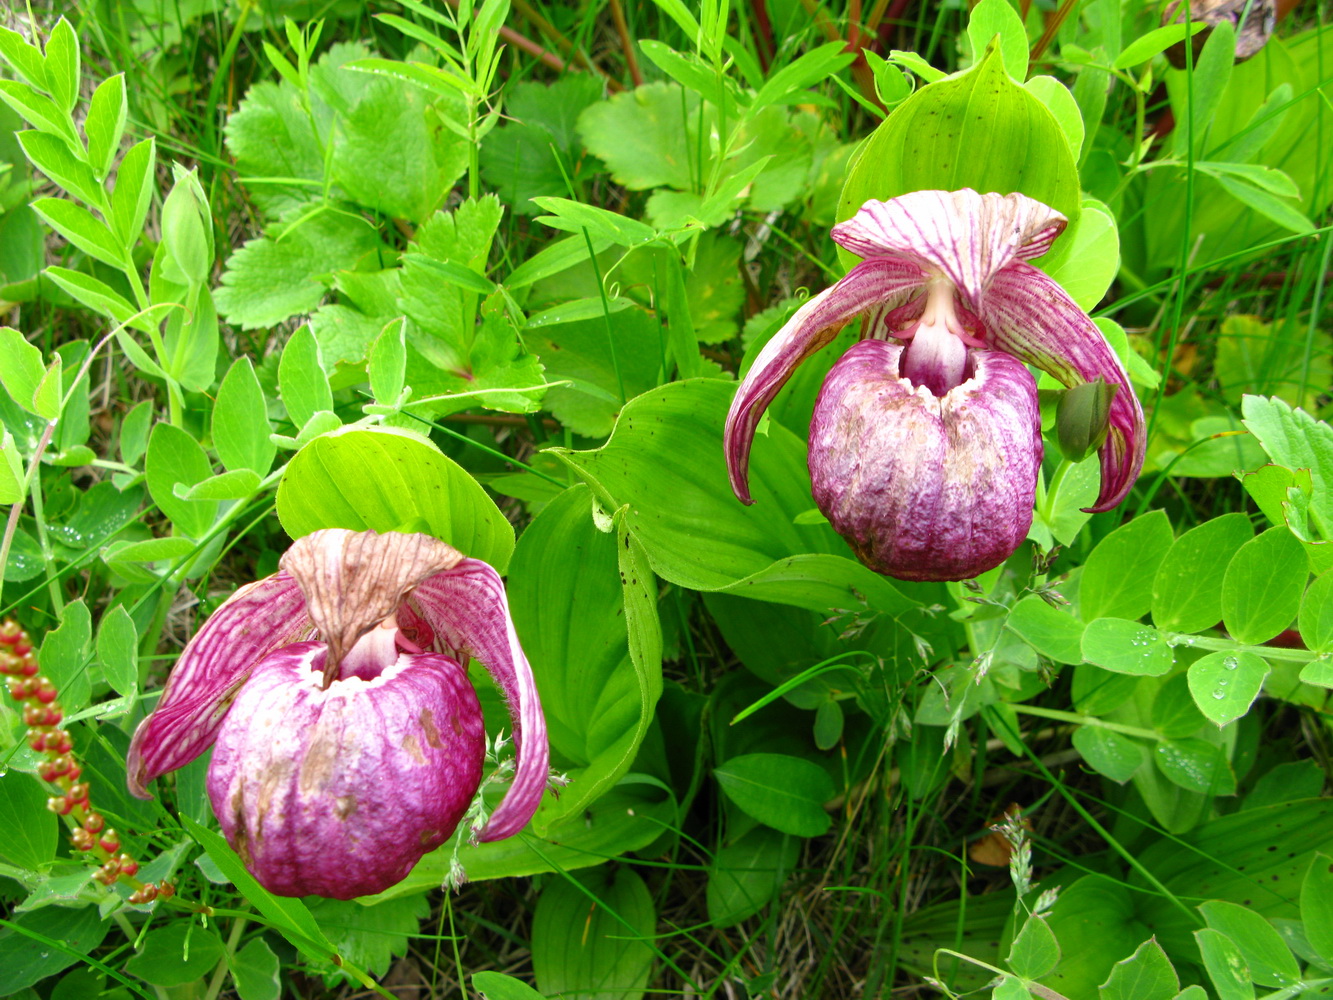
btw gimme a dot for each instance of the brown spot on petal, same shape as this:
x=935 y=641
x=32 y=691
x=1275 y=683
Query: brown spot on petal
x=344 y=806
x=427 y=720
x=413 y=749
x=457 y=724
x=317 y=769
x=430 y=838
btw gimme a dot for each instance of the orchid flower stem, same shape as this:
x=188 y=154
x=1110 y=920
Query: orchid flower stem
x=1073 y=718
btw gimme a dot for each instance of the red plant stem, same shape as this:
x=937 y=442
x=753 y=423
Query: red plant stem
x=1052 y=26
x=763 y=33
x=626 y=43
x=865 y=80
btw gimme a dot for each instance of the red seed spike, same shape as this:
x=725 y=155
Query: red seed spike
x=94 y=822
x=128 y=866
x=74 y=771
x=82 y=839
x=46 y=691
x=59 y=805
x=110 y=841
x=10 y=632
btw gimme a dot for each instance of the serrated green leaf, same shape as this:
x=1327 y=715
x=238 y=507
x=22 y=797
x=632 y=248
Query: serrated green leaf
x=286 y=273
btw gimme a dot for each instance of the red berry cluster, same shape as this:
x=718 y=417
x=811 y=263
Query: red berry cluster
x=42 y=715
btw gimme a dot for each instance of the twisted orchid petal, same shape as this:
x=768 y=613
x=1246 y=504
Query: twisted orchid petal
x=867 y=287
x=1030 y=316
x=258 y=619
x=467 y=608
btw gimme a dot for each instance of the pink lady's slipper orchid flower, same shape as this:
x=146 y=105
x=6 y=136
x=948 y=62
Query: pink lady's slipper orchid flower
x=349 y=741
x=925 y=443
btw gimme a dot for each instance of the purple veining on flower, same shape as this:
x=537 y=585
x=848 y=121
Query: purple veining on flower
x=925 y=443
x=348 y=739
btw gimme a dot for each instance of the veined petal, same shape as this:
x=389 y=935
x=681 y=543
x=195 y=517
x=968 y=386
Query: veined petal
x=969 y=237
x=926 y=487
x=253 y=622
x=873 y=285
x=1031 y=317
x=467 y=608
x=353 y=580
x=339 y=791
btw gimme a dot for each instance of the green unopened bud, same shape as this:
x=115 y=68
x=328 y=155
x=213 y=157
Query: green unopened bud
x=1083 y=418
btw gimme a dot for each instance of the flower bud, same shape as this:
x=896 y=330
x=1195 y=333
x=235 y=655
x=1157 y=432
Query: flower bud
x=60 y=805
x=128 y=866
x=82 y=839
x=110 y=842
x=1083 y=418
x=46 y=691
x=93 y=822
